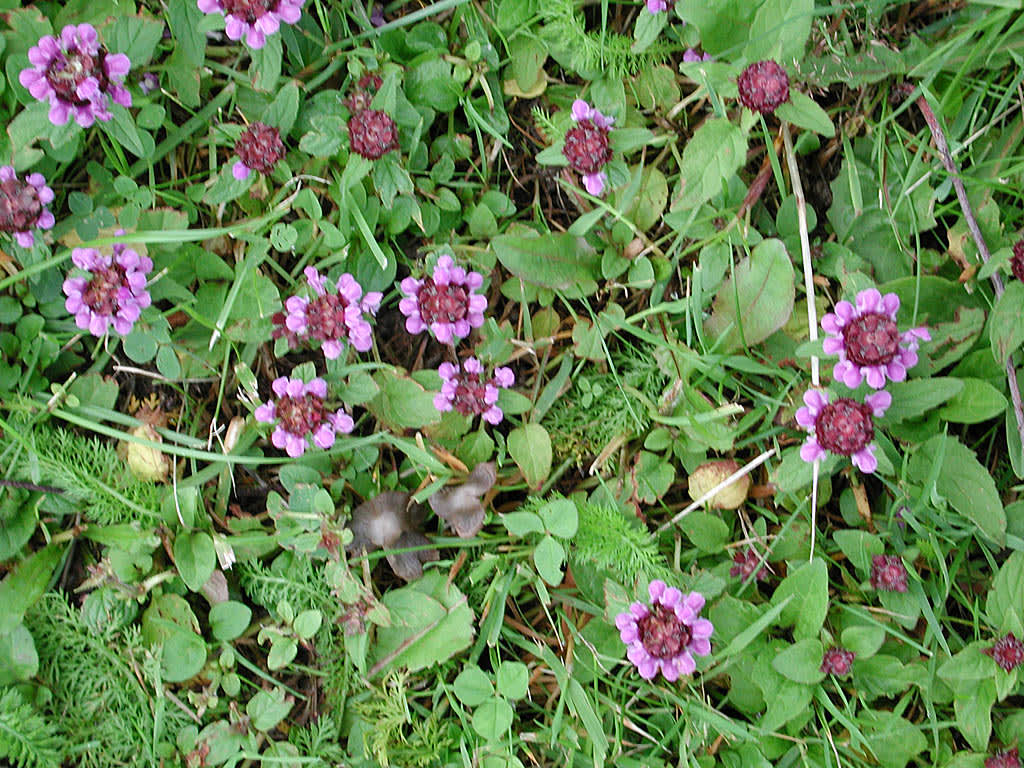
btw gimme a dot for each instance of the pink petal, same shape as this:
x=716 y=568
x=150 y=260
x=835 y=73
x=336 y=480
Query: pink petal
x=810 y=451
x=865 y=460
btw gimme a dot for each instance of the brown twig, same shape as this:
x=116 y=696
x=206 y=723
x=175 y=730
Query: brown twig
x=972 y=224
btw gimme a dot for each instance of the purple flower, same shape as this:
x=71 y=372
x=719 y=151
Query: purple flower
x=23 y=205
x=1008 y=652
x=868 y=343
x=690 y=55
x=657 y=6
x=333 y=318
x=837 y=661
x=114 y=293
x=1009 y=758
x=745 y=562
x=76 y=75
x=468 y=393
x=445 y=303
x=843 y=427
x=299 y=413
x=258 y=149
x=586 y=145
x=888 y=573
x=253 y=19
x=666 y=634
x=149 y=82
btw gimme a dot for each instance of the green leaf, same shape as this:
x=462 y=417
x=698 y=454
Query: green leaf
x=808 y=586
x=912 y=399
x=283 y=110
x=712 y=155
x=978 y=401
x=195 y=558
x=863 y=641
x=549 y=556
x=282 y=652
x=859 y=547
x=974 y=714
x=25 y=585
x=803 y=111
x=893 y=740
x=472 y=686
x=402 y=403
x=1006 y=598
x=522 y=523
x=653 y=477
x=756 y=300
x=18 y=658
x=308 y=623
x=530 y=448
x=780 y=30
x=135 y=36
x=19 y=512
x=170 y=622
x=560 y=518
x=964 y=482
x=266 y=64
x=1006 y=322
x=559 y=261
x=268 y=708
x=513 y=680
x=430 y=622
x=431 y=85
x=493 y=718
x=801 y=662
x=229 y=620
x=707 y=532
x=963 y=671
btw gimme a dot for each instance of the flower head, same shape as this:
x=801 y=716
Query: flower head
x=836 y=661
x=372 y=133
x=1006 y=759
x=888 y=573
x=1017 y=260
x=445 y=302
x=334 y=317
x=299 y=413
x=364 y=92
x=745 y=563
x=763 y=86
x=868 y=343
x=77 y=75
x=586 y=145
x=666 y=634
x=657 y=6
x=259 y=148
x=23 y=205
x=113 y=294
x=469 y=393
x=843 y=427
x=253 y=19
x=1008 y=652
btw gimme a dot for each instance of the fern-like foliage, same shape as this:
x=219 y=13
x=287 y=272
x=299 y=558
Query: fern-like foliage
x=298 y=580
x=609 y=52
x=87 y=470
x=320 y=741
x=27 y=740
x=608 y=540
x=105 y=715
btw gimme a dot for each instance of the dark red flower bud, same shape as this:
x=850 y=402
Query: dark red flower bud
x=1017 y=260
x=1008 y=652
x=763 y=86
x=586 y=147
x=372 y=133
x=888 y=574
x=260 y=147
x=837 y=661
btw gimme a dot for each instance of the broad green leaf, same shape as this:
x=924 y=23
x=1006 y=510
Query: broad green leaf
x=530 y=448
x=1006 y=597
x=978 y=401
x=780 y=30
x=893 y=740
x=135 y=36
x=549 y=557
x=859 y=547
x=974 y=714
x=808 y=586
x=708 y=533
x=195 y=558
x=803 y=111
x=229 y=620
x=513 y=679
x=18 y=658
x=25 y=585
x=756 y=300
x=560 y=518
x=473 y=686
x=912 y=399
x=1006 y=323
x=801 y=662
x=493 y=718
x=268 y=708
x=712 y=155
x=555 y=260
x=964 y=482
x=402 y=403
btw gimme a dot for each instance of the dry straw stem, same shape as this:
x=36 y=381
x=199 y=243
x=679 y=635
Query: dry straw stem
x=972 y=224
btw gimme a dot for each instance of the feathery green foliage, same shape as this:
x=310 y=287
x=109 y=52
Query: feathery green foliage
x=610 y=541
x=27 y=740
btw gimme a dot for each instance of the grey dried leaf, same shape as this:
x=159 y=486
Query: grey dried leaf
x=461 y=506
x=409 y=565
x=390 y=522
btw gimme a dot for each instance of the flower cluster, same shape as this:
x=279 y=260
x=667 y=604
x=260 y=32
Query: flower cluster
x=445 y=302
x=333 y=316
x=837 y=661
x=253 y=19
x=868 y=342
x=259 y=148
x=469 y=393
x=586 y=145
x=372 y=133
x=665 y=635
x=114 y=292
x=870 y=348
x=1008 y=652
x=1009 y=758
x=1017 y=260
x=23 y=205
x=77 y=76
x=888 y=573
x=745 y=564
x=299 y=413
x=763 y=86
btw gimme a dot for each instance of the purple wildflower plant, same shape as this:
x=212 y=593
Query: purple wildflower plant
x=77 y=76
x=334 y=315
x=837 y=661
x=745 y=564
x=445 y=302
x=667 y=634
x=586 y=145
x=467 y=392
x=657 y=6
x=299 y=413
x=1009 y=758
x=23 y=205
x=690 y=55
x=843 y=427
x=113 y=294
x=259 y=148
x=253 y=19
x=868 y=342
x=888 y=573
x=1008 y=652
